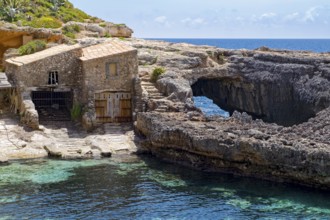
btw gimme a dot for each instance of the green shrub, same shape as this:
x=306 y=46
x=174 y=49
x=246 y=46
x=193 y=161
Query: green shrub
x=71 y=30
x=32 y=47
x=61 y=10
x=107 y=35
x=76 y=112
x=70 y=35
x=72 y=14
x=45 y=22
x=120 y=25
x=156 y=73
x=102 y=24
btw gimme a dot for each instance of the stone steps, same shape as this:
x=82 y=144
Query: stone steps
x=162 y=108
x=147 y=83
x=152 y=91
x=159 y=96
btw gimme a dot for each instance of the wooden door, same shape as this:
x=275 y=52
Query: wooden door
x=113 y=107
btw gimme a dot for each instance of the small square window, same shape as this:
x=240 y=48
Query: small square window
x=53 y=78
x=111 y=70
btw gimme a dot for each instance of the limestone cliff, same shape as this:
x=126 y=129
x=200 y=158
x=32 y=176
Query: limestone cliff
x=287 y=90
x=12 y=36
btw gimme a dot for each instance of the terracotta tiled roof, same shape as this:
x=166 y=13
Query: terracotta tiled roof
x=103 y=50
x=19 y=61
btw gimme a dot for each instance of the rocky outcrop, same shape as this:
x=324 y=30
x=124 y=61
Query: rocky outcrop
x=63 y=140
x=3 y=159
x=239 y=145
x=12 y=36
x=279 y=101
x=102 y=29
x=284 y=87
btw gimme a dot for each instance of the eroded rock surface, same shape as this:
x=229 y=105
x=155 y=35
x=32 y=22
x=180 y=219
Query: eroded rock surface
x=285 y=87
x=282 y=132
x=63 y=140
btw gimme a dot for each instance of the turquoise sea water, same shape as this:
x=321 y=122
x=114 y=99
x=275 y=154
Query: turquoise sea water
x=208 y=107
x=316 y=45
x=146 y=189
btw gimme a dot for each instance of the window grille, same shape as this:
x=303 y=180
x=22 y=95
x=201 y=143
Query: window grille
x=53 y=78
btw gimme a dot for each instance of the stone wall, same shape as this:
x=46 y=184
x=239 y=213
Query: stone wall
x=4 y=93
x=35 y=74
x=95 y=74
x=95 y=79
x=29 y=114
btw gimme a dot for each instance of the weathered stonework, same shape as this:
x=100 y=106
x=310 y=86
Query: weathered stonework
x=33 y=70
x=81 y=70
x=95 y=77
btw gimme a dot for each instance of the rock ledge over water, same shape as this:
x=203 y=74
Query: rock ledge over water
x=282 y=131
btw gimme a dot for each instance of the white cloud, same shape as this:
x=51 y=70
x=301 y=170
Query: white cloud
x=193 y=22
x=163 y=20
x=312 y=13
x=268 y=15
x=264 y=20
x=292 y=17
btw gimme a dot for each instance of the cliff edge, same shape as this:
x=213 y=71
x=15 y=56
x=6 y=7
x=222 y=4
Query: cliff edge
x=279 y=101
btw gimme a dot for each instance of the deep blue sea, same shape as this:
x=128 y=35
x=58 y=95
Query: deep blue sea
x=316 y=45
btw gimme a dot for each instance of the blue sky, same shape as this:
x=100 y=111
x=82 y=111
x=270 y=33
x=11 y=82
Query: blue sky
x=216 y=18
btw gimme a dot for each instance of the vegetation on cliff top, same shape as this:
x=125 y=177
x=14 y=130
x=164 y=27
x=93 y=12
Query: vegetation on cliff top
x=41 y=13
x=32 y=47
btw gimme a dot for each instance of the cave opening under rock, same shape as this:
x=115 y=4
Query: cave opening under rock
x=273 y=103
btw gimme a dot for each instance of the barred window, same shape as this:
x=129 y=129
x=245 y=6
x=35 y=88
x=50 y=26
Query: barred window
x=53 y=78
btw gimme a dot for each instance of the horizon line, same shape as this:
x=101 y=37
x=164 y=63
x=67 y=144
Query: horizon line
x=193 y=38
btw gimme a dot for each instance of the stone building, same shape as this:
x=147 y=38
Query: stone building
x=99 y=79
x=5 y=89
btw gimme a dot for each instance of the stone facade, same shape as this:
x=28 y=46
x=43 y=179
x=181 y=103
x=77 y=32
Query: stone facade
x=33 y=70
x=97 y=79
x=109 y=73
x=84 y=71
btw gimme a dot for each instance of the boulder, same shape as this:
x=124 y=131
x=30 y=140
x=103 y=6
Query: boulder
x=102 y=146
x=146 y=58
x=3 y=159
x=54 y=150
x=178 y=86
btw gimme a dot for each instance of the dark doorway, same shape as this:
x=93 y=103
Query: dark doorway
x=53 y=106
